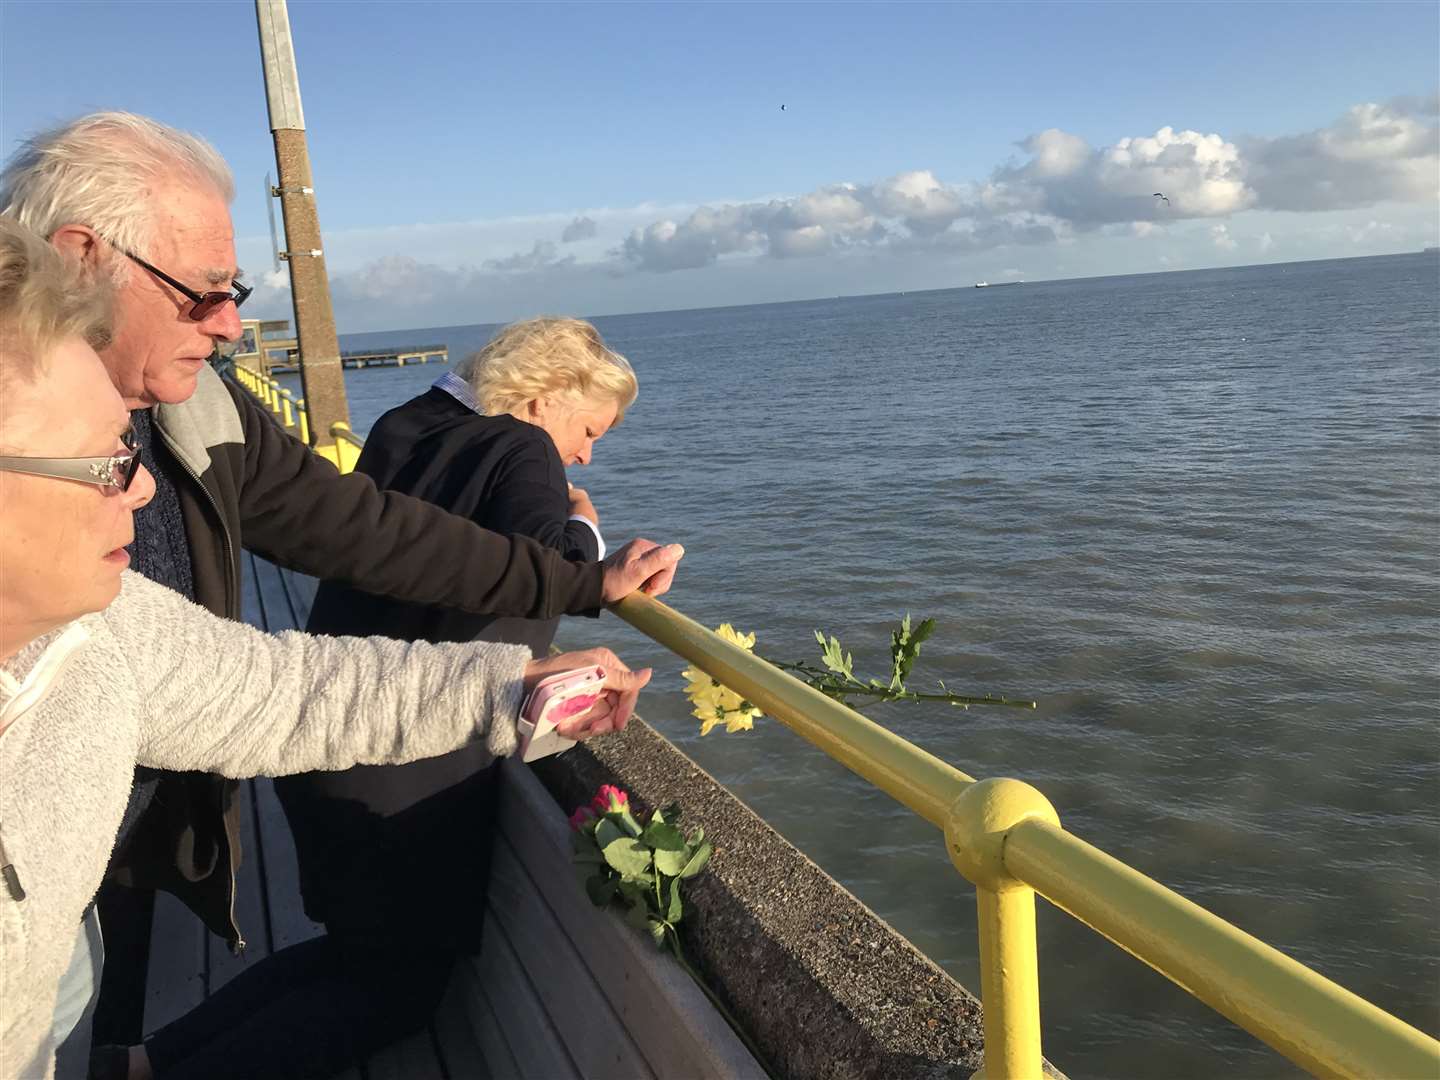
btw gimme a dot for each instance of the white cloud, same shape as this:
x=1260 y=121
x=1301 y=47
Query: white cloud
x=581 y=228
x=1201 y=176
x=543 y=255
x=914 y=228
x=1367 y=233
x=1372 y=154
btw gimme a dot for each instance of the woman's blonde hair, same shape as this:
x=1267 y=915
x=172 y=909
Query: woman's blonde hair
x=548 y=357
x=43 y=301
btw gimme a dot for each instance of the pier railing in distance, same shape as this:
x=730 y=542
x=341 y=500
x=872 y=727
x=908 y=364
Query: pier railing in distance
x=1006 y=839
x=291 y=413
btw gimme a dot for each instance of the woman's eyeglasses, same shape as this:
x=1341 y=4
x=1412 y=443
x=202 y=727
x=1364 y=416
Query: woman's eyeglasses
x=117 y=472
x=204 y=303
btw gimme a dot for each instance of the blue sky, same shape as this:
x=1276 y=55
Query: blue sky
x=454 y=143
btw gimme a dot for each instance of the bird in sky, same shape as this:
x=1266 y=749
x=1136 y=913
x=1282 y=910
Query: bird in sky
x=782 y=108
x=1160 y=195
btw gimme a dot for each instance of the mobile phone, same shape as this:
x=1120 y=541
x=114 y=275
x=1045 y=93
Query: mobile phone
x=554 y=699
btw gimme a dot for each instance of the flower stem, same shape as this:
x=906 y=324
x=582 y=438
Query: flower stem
x=673 y=936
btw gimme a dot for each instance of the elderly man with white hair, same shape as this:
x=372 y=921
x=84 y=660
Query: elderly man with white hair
x=148 y=206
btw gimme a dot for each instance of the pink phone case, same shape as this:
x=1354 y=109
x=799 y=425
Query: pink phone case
x=555 y=699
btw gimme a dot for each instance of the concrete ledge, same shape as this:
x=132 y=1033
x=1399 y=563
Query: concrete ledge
x=823 y=985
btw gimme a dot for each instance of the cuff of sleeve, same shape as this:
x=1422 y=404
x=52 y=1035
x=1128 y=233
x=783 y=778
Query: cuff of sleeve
x=504 y=697
x=599 y=540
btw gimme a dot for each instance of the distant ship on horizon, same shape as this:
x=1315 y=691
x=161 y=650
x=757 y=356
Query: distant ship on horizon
x=996 y=285
x=1433 y=249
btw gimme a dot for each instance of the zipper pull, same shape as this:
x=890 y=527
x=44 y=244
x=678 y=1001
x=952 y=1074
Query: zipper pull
x=12 y=882
x=11 y=876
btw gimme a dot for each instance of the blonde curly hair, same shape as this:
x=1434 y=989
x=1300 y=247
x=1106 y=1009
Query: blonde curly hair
x=548 y=357
x=43 y=302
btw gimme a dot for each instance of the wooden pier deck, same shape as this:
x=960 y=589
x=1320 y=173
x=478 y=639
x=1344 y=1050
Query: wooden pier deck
x=559 y=990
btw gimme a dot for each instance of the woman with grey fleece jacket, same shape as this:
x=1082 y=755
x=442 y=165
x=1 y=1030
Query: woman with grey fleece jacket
x=102 y=670
x=156 y=680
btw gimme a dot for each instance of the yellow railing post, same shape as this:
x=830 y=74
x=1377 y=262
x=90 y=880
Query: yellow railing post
x=975 y=831
x=289 y=415
x=304 y=420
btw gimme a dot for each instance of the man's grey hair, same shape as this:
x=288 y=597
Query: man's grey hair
x=102 y=171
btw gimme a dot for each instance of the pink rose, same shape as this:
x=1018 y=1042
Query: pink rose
x=610 y=800
x=582 y=816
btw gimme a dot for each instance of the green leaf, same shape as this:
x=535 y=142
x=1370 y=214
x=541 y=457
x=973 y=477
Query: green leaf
x=663 y=837
x=584 y=872
x=672 y=862
x=638 y=915
x=628 y=823
x=601 y=890
x=697 y=861
x=905 y=647
x=671 y=812
x=836 y=659
x=628 y=856
x=606 y=832
x=673 y=908
x=634 y=892
x=696 y=836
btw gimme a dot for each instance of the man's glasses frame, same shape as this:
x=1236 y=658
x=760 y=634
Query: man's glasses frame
x=202 y=303
x=117 y=471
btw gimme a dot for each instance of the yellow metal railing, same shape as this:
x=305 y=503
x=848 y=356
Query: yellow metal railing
x=1005 y=838
x=347 y=447
x=291 y=412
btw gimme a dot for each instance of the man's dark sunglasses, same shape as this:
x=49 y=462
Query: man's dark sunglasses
x=204 y=303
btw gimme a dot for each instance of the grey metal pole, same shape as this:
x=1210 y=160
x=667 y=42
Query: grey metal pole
x=321 y=374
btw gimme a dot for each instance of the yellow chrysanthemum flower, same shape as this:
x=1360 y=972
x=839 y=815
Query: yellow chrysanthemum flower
x=714 y=702
x=730 y=634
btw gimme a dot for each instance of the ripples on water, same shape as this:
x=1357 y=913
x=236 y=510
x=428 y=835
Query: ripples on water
x=1197 y=515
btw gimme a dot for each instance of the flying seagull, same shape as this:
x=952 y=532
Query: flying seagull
x=782 y=108
x=1160 y=195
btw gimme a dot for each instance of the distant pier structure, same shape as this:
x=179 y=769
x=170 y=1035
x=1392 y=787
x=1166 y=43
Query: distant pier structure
x=267 y=346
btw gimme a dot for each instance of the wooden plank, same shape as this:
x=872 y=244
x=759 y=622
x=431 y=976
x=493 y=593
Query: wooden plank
x=250 y=610
x=289 y=924
x=274 y=601
x=484 y=1025
x=457 y=1041
x=534 y=1043
x=669 y=1017
x=301 y=588
x=176 y=982
x=409 y=1059
x=250 y=904
x=566 y=988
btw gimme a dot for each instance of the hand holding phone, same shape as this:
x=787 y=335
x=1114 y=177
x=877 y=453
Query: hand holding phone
x=554 y=700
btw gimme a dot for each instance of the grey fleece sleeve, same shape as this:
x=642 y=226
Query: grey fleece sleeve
x=225 y=698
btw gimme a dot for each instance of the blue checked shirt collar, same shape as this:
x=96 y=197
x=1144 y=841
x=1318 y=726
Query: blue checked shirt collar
x=459 y=389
